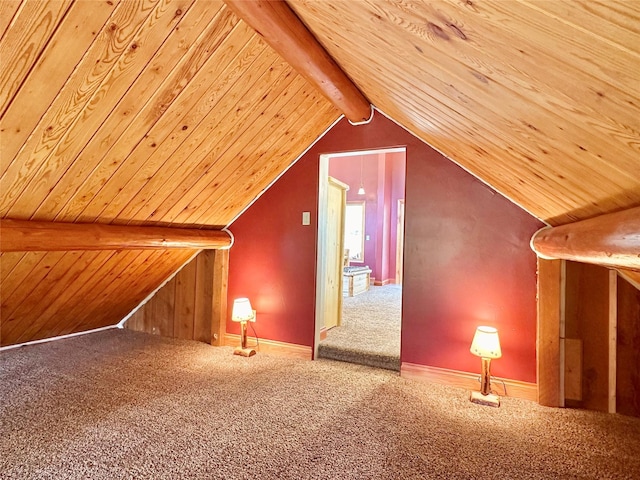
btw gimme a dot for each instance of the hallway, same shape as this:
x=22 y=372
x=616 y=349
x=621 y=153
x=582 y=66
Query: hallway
x=370 y=329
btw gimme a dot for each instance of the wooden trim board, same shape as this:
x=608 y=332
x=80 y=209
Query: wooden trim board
x=469 y=381
x=274 y=347
x=550 y=332
x=613 y=338
x=323 y=333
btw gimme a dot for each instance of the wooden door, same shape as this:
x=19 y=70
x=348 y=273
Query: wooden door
x=336 y=204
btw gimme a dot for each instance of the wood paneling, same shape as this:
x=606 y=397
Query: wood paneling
x=220 y=289
x=203 y=298
x=159 y=312
x=8 y=9
x=587 y=319
x=184 y=306
x=572 y=369
x=185 y=301
x=539 y=99
x=282 y=29
x=628 y=355
x=25 y=40
x=149 y=112
x=52 y=70
x=172 y=112
x=549 y=332
x=65 y=292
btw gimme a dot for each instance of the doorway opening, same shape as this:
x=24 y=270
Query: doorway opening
x=360 y=257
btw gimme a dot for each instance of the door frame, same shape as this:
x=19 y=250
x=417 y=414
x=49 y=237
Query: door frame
x=321 y=249
x=321 y=266
x=400 y=243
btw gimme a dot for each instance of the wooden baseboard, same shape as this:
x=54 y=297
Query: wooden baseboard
x=382 y=283
x=274 y=347
x=323 y=333
x=469 y=381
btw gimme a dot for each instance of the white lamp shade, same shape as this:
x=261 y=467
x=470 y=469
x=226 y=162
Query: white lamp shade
x=486 y=343
x=242 y=310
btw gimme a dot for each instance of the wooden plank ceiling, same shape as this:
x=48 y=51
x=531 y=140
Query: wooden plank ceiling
x=540 y=99
x=174 y=112
x=132 y=112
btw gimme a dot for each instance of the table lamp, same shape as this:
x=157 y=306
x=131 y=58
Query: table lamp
x=486 y=345
x=242 y=312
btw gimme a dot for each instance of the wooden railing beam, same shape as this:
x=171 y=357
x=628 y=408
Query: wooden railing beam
x=291 y=39
x=611 y=240
x=30 y=236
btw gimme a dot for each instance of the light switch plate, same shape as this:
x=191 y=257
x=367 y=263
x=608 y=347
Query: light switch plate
x=306 y=218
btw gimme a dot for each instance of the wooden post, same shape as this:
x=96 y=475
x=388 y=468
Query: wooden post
x=220 y=284
x=587 y=319
x=550 y=366
x=204 y=296
x=613 y=338
x=627 y=349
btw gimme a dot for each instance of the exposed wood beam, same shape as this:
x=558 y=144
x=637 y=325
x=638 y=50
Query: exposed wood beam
x=611 y=240
x=30 y=236
x=284 y=31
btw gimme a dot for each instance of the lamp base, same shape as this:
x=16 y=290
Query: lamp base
x=489 y=400
x=245 y=352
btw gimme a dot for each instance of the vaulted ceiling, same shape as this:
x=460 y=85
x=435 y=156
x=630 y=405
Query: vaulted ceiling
x=177 y=113
x=540 y=99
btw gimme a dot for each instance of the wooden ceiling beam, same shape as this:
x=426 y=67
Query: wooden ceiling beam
x=612 y=240
x=291 y=39
x=31 y=236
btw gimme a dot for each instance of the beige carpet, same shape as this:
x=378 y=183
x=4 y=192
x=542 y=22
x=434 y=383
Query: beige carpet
x=370 y=329
x=124 y=405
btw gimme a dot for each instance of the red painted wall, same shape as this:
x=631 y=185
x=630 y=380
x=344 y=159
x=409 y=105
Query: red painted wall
x=273 y=258
x=467 y=257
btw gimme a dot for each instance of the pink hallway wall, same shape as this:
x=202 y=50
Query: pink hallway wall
x=383 y=177
x=347 y=170
x=467 y=257
x=382 y=226
x=398 y=174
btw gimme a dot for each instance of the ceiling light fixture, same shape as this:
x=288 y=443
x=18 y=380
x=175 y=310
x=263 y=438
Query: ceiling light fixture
x=361 y=189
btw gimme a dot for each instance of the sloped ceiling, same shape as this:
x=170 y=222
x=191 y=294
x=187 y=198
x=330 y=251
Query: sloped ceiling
x=176 y=113
x=540 y=99
x=132 y=112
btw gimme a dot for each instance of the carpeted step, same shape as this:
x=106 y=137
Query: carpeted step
x=388 y=362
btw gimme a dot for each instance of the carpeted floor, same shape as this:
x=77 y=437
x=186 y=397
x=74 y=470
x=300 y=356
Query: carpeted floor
x=370 y=329
x=120 y=404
